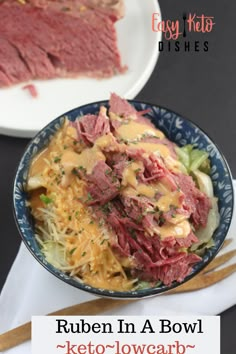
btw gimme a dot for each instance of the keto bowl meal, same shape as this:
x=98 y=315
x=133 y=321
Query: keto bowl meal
x=123 y=199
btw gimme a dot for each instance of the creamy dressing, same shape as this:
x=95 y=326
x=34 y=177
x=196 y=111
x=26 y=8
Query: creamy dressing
x=105 y=141
x=170 y=199
x=133 y=130
x=130 y=173
x=180 y=230
x=147 y=190
x=87 y=160
x=162 y=149
x=109 y=142
x=39 y=162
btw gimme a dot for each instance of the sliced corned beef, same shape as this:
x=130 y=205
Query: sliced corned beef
x=90 y=127
x=114 y=9
x=121 y=107
x=135 y=206
x=174 y=268
x=122 y=245
x=155 y=260
x=154 y=168
x=196 y=202
x=4 y=79
x=52 y=43
x=179 y=270
x=114 y=215
x=171 y=243
x=187 y=241
x=11 y=65
x=142 y=211
x=32 y=90
x=117 y=161
x=103 y=184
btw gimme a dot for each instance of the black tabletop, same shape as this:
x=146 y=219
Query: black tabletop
x=199 y=84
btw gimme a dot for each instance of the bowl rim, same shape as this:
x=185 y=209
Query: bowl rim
x=132 y=294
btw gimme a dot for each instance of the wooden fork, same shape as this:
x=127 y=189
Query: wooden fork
x=205 y=278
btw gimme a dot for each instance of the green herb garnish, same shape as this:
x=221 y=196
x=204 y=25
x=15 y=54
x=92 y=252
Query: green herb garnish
x=108 y=172
x=45 y=199
x=89 y=197
x=82 y=168
x=57 y=159
x=73 y=250
x=102 y=242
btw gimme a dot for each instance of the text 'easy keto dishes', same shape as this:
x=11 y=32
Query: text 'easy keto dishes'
x=119 y=206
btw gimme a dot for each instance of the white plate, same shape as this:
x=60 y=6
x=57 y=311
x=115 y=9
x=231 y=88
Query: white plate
x=21 y=115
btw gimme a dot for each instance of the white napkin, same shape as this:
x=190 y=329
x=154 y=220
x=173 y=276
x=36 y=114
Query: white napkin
x=32 y=290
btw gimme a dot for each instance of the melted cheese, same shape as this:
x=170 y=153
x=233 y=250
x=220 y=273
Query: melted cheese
x=134 y=130
x=180 y=230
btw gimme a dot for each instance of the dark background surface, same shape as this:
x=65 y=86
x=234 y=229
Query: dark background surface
x=199 y=85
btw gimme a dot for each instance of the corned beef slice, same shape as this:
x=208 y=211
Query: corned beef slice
x=196 y=202
x=49 y=43
x=90 y=127
x=113 y=8
x=11 y=64
x=136 y=208
x=121 y=107
x=103 y=185
x=117 y=161
x=4 y=78
x=155 y=259
x=154 y=168
x=165 y=262
x=167 y=273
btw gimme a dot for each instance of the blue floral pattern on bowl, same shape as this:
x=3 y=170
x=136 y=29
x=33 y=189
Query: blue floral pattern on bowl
x=177 y=129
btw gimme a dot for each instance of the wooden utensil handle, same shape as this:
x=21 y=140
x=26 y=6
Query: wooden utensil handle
x=22 y=333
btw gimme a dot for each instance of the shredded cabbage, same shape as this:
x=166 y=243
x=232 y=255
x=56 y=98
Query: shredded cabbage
x=193 y=159
x=204 y=234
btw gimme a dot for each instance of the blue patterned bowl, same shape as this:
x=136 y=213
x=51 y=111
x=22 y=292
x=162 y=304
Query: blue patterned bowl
x=177 y=129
